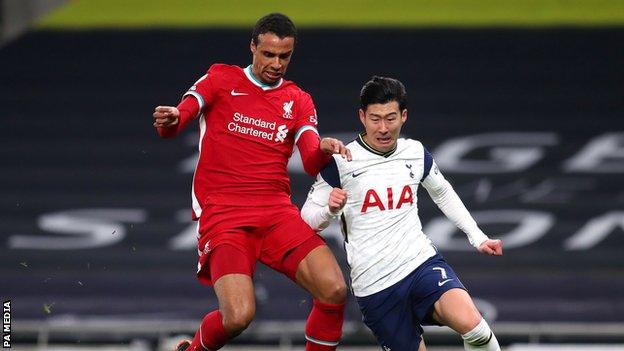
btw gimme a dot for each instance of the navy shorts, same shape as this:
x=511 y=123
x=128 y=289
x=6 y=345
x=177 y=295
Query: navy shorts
x=396 y=314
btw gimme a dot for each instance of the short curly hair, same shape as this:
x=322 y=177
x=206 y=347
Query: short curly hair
x=276 y=23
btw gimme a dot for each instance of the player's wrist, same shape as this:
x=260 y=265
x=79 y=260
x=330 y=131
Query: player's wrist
x=480 y=240
x=332 y=214
x=327 y=146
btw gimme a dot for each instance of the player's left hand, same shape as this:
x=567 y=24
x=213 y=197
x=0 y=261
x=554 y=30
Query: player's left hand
x=335 y=146
x=492 y=247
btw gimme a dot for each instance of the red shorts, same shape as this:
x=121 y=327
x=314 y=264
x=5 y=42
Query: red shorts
x=233 y=238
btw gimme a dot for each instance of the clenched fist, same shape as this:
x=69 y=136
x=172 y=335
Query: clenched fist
x=166 y=116
x=337 y=200
x=492 y=247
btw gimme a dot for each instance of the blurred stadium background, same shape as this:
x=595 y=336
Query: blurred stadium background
x=521 y=103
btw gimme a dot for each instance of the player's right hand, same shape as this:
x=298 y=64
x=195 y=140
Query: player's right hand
x=166 y=116
x=337 y=200
x=335 y=146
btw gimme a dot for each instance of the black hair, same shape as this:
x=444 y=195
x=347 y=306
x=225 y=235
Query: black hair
x=276 y=23
x=381 y=90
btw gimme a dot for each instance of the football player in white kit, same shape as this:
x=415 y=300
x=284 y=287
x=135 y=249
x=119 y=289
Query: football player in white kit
x=399 y=279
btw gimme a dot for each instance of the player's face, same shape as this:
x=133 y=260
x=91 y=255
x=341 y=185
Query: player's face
x=271 y=57
x=383 y=123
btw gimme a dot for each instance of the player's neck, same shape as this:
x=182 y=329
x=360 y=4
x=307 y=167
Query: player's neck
x=361 y=139
x=254 y=78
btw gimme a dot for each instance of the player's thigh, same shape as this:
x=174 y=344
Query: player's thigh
x=320 y=275
x=292 y=248
x=388 y=316
x=404 y=336
x=456 y=310
x=226 y=243
x=229 y=252
x=432 y=280
x=421 y=346
x=231 y=268
x=236 y=297
x=283 y=231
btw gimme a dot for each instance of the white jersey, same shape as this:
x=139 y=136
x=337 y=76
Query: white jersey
x=383 y=234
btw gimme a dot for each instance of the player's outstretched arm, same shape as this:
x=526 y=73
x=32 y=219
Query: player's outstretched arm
x=443 y=194
x=492 y=247
x=316 y=154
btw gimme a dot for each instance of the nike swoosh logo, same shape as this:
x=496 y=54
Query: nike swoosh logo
x=234 y=93
x=444 y=282
x=357 y=174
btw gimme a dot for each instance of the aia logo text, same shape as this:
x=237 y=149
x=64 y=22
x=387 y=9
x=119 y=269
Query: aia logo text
x=372 y=199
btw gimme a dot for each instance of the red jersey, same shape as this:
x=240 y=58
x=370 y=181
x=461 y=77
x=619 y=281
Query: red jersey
x=247 y=134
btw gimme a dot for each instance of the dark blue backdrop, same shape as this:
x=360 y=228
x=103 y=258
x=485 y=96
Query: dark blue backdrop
x=94 y=208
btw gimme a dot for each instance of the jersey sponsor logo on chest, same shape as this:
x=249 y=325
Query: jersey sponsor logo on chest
x=372 y=199
x=257 y=127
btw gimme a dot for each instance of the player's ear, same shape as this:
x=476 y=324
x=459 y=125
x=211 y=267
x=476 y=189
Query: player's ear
x=404 y=116
x=252 y=47
x=362 y=116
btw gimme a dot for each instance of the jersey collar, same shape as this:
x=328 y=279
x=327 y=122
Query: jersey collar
x=360 y=140
x=258 y=83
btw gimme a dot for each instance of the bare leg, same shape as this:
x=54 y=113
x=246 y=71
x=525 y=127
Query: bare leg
x=236 y=310
x=237 y=302
x=456 y=310
x=320 y=275
x=421 y=346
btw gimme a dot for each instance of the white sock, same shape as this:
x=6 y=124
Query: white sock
x=480 y=338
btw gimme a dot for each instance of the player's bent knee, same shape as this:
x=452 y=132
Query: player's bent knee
x=339 y=293
x=336 y=292
x=481 y=338
x=470 y=321
x=237 y=319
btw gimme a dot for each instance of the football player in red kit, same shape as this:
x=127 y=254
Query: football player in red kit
x=250 y=119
